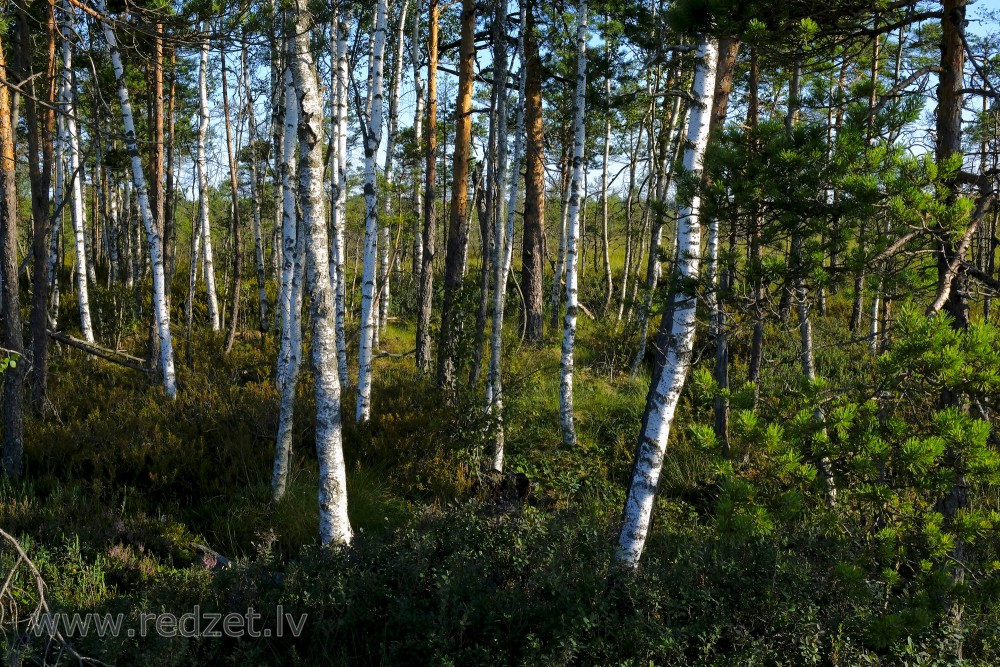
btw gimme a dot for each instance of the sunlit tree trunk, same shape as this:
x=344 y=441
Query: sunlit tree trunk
x=426 y=294
x=665 y=395
x=389 y=170
x=572 y=234
x=139 y=180
x=451 y=317
x=372 y=129
x=496 y=167
x=419 y=92
x=532 y=246
x=203 y=194
x=343 y=26
x=502 y=257
x=289 y=234
x=335 y=527
x=72 y=143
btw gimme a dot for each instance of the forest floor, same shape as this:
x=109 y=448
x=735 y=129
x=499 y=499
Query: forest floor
x=124 y=489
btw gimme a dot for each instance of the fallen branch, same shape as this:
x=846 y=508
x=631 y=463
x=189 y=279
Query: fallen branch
x=114 y=356
x=41 y=610
x=397 y=355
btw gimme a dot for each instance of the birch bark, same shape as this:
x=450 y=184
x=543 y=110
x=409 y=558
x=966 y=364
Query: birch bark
x=372 y=129
x=72 y=142
x=206 y=230
x=651 y=450
x=572 y=233
x=334 y=525
x=153 y=238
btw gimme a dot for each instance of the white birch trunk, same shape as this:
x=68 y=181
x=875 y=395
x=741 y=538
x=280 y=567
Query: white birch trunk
x=418 y=134
x=206 y=229
x=560 y=270
x=289 y=234
x=572 y=232
x=72 y=142
x=291 y=351
x=344 y=21
x=665 y=396
x=389 y=170
x=503 y=255
x=59 y=195
x=373 y=136
x=139 y=179
x=335 y=527
x=277 y=138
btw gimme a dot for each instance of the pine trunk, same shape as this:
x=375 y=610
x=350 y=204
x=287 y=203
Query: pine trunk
x=451 y=316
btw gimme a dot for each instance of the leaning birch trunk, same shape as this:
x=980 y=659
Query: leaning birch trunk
x=72 y=142
x=289 y=234
x=206 y=230
x=340 y=189
x=139 y=179
x=503 y=254
x=372 y=129
x=665 y=395
x=334 y=525
x=573 y=227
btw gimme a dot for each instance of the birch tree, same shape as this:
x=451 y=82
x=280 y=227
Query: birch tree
x=372 y=129
x=419 y=92
x=389 y=170
x=343 y=28
x=290 y=256
x=72 y=142
x=664 y=396
x=503 y=254
x=152 y=236
x=334 y=525
x=203 y=195
x=458 y=226
x=572 y=232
